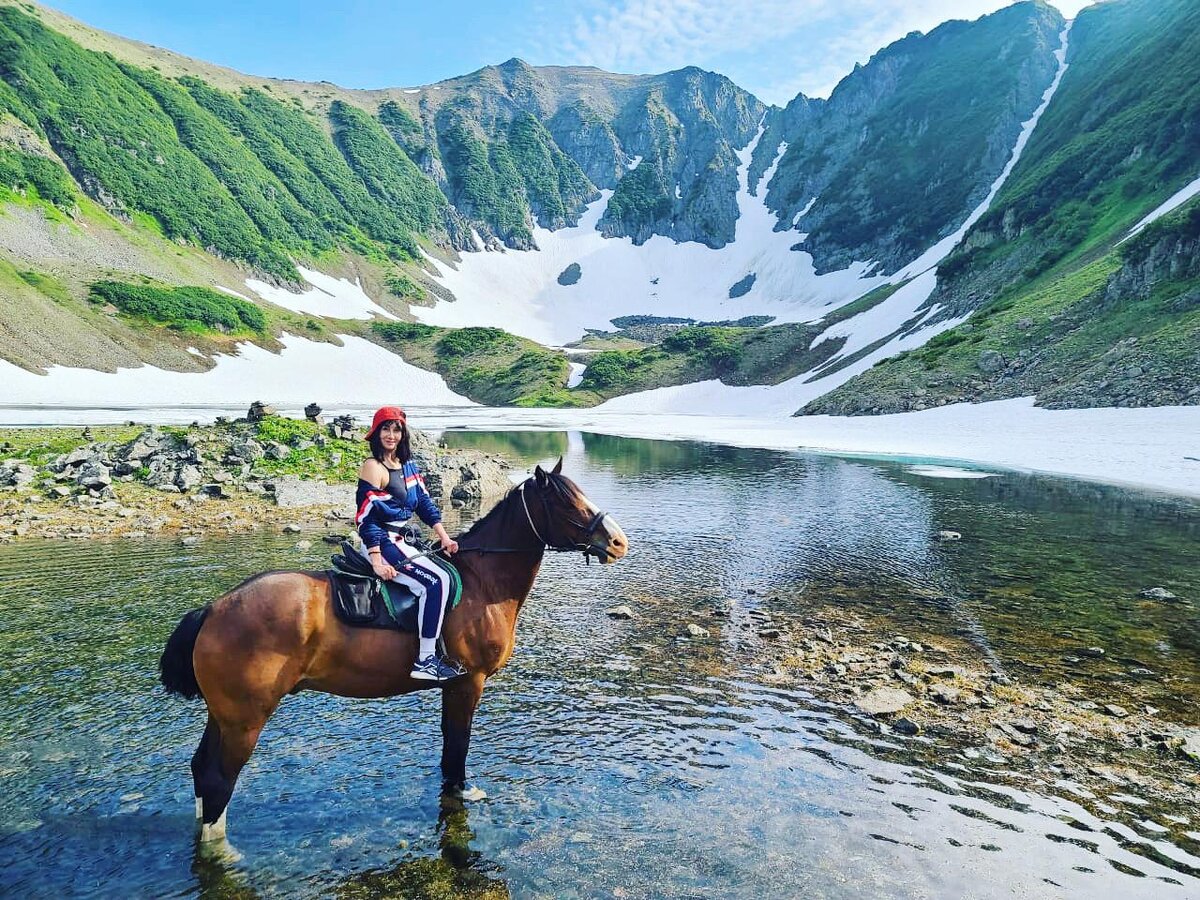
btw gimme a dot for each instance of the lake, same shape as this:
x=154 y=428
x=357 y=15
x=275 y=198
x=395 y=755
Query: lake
x=620 y=758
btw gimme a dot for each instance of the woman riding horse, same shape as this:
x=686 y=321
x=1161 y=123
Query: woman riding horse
x=390 y=489
x=276 y=634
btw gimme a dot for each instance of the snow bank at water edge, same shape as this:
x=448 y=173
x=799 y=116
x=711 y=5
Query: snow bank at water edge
x=336 y=298
x=1151 y=447
x=359 y=372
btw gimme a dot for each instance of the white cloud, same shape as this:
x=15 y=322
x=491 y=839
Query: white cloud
x=745 y=39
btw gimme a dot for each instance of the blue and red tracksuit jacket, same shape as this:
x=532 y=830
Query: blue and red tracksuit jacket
x=394 y=505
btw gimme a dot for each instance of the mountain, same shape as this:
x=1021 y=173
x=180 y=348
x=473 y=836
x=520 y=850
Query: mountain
x=945 y=226
x=1056 y=301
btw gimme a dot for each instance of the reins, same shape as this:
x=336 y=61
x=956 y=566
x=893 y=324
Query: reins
x=580 y=546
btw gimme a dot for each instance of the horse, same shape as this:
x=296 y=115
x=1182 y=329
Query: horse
x=276 y=634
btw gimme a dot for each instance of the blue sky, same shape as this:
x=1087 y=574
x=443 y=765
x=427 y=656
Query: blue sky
x=773 y=48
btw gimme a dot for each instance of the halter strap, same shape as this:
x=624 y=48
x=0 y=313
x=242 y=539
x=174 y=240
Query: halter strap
x=529 y=518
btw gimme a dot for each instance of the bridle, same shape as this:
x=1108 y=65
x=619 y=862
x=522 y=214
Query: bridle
x=583 y=543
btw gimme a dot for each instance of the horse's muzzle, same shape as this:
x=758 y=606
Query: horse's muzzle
x=609 y=542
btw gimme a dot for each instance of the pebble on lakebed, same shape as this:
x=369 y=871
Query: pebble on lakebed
x=937 y=687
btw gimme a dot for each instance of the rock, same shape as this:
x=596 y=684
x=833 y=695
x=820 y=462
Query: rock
x=944 y=693
x=333 y=538
x=190 y=541
x=769 y=633
x=216 y=491
x=303 y=545
x=1028 y=726
x=293 y=491
x=93 y=474
x=1093 y=652
x=246 y=451
x=291 y=528
x=1024 y=324
x=619 y=612
x=697 y=631
x=259 y=411
x=1119 y=712
x=1157 y=593
x=949 y=536
x=884 y=701
x=1189 y=744
x=188 y=478
x=990 y=362
x=906 y=726
x=276 y=450
x=312 y=412
x=16 y=474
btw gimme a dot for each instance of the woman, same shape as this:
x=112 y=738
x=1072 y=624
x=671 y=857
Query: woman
x=390 y=490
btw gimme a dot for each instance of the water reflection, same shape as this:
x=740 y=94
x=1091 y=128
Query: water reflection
x=620 y=760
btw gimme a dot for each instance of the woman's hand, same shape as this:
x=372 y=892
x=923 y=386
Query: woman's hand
x=383 y=568
x=449 y=544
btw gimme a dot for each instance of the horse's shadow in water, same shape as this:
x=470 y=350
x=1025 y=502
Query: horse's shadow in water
x=458 y=871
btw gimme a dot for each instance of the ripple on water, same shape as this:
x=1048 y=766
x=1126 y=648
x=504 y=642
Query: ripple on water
x=617 y=761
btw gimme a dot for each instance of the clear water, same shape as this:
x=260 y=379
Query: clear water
x=619 y=761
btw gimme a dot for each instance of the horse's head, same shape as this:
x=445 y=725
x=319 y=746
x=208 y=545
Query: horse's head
x=568 y=519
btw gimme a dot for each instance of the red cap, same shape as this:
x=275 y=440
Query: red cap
x=386 y=414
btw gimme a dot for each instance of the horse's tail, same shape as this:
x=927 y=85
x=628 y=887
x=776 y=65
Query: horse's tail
x=175 y=667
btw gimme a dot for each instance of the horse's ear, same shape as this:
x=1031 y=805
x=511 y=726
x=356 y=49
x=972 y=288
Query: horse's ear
x=557 y=470
x=540 y=476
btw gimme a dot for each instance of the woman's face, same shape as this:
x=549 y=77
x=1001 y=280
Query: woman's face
x=391 y=433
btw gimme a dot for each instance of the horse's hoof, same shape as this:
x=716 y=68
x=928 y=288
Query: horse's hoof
x=214 y=832
x=472 y=794
x=218 y=851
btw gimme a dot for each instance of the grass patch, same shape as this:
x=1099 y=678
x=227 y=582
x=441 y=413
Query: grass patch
x=194 y=310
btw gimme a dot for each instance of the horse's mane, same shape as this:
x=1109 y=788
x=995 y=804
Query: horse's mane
x=559 y=483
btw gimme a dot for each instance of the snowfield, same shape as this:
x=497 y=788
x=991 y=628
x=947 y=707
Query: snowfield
x=358 y=372
x=334 y=297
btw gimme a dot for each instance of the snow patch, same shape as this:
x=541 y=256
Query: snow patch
x=1176 y=200
x=576 y=375
x=634 y=163
x=333 y=297
x=678 y=193
x=518 y=290
x=804 y=212
x=195 y=352
x=949 y=472
x=359 y=372
x=412 y=90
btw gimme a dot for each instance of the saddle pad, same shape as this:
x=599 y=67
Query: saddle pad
x=372 y=603
x=363 y=600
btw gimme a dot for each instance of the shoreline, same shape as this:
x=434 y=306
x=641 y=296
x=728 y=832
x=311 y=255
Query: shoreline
x=1145 y=449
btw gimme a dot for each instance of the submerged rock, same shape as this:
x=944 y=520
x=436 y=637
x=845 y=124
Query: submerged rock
x=1157 y=593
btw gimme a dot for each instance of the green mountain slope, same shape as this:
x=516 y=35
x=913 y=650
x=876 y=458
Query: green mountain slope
x=1060 y=306
x=908 y=144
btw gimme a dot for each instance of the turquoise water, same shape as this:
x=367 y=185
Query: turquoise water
x=620 y=761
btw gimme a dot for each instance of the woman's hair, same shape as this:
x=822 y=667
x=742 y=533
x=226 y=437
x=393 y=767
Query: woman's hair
x=403 y=449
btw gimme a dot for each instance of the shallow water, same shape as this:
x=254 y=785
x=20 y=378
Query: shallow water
x=621 y=761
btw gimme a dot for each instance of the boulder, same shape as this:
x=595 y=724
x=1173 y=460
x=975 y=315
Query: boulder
x=884 y=701
x=93 y=474
x=1156 y=593
x=246 y=451
x=697 y=631
x=259 y=411
x=990 y=362
x=276 y=450
x=188 y=477
x=619 y=612
x=312 y=412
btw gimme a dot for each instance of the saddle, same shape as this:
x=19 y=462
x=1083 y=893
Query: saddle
x=362 y=599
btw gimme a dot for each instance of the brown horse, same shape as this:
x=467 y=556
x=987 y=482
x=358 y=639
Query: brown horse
x=276 y=634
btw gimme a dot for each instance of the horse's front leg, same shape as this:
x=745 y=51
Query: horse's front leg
x=460 y=698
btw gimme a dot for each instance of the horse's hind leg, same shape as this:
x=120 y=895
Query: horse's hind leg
x=230 y=747
x=204 y=763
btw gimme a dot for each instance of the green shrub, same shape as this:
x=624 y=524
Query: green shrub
x=183 y=308
x=469 y=341
x=403 y=331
